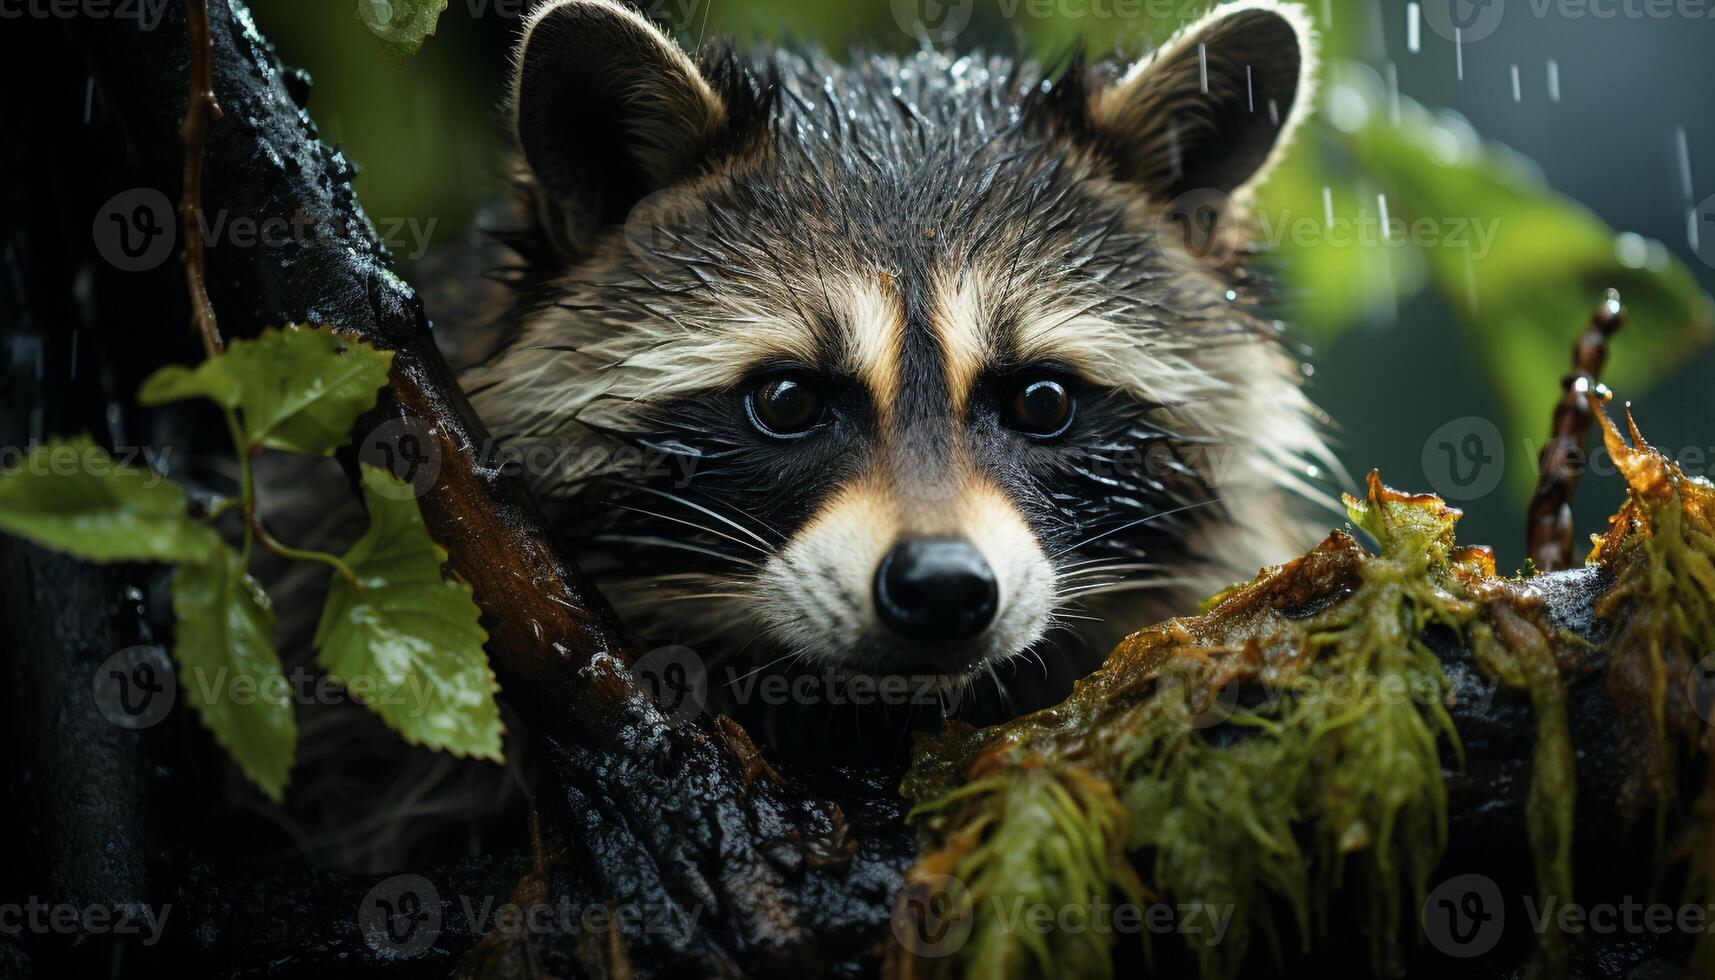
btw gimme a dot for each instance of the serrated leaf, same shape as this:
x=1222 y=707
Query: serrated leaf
x=223 y=649
x=176 y=382
x=401 y=25
x=73 y=497
x=299 y=389
x=409 y=643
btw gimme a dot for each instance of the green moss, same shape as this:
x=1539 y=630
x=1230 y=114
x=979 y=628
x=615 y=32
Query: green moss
x=1047 y=841
x=1287 y=743
x=1341 y=756
x=1660 y=552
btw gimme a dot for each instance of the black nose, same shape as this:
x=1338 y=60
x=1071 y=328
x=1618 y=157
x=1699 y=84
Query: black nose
x=935 y=590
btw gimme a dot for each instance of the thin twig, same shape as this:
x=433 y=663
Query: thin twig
x=1549 y=520
x=201 y=109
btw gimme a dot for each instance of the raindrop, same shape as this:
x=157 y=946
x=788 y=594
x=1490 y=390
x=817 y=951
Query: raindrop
x=1459 y=52
x=1393 y=92
x=1250 y=94
x=1471 y=279
x=88 y=99
x=1631 y=250
x=1381 y=202
x=1203 y=69
x=1684 y=148
x=1553 y=80
x=1328 y=205
x=1516 y=93
x=1413 y=28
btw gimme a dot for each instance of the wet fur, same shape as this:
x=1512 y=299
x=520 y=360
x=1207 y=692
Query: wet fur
x=1003 y=220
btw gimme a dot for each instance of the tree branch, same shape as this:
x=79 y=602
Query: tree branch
x=201 y=109
x=1548 y=521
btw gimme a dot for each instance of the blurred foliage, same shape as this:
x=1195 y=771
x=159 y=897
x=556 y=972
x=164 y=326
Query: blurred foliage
x=1521 y=266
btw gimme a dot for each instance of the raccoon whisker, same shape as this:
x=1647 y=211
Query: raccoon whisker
x=704 y=595
x=1110 y=569
x=703 y=577
x=671 y=544
x=693 y=524
x=1104 y=589
x=793 y=655
x=1086 y=563
x=1000 y=689
x=676 y=498
x=1131 y=524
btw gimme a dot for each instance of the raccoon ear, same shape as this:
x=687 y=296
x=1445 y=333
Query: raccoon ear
x=606 y=109
x=1215 y=105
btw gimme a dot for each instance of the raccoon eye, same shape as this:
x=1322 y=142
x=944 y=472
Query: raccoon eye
x=1040 y=407
x=785 y=406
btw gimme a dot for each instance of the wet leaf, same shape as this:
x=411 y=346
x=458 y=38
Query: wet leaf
x=73 y=497
x=401 y=25
x=408 y=642
x=299 y=389
x=224 y=652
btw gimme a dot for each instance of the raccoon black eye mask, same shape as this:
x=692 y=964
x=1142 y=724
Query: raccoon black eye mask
x=913 y=371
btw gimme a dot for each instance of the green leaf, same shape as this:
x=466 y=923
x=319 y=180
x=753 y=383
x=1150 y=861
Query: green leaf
x=299 y=389
x=402 y=25
x=73 y=497
x=174 y=383
x=408 y=642
x=224 y=653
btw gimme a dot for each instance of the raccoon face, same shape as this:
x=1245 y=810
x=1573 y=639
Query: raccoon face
x=897 y=366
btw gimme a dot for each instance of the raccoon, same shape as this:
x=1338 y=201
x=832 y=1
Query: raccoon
x=933 y=367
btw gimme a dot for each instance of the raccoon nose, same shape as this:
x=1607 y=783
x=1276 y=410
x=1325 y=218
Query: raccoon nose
x=935 y=590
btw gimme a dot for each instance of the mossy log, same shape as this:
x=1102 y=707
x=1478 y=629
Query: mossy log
x=1301 y=764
